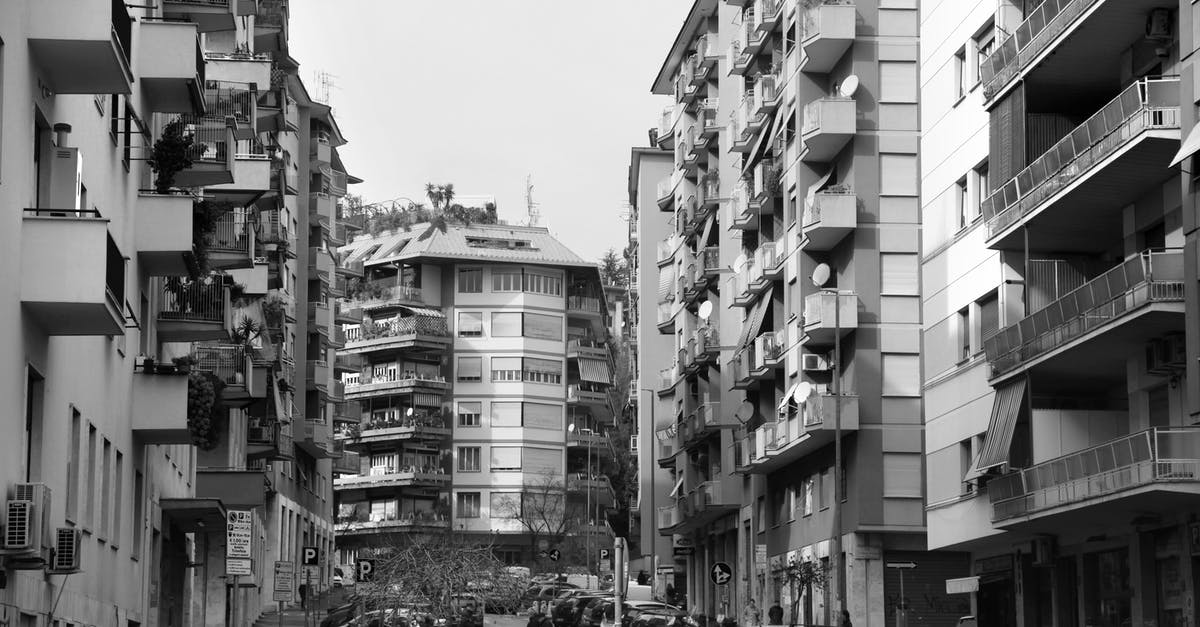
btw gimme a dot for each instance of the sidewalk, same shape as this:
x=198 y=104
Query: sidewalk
x=293 y=614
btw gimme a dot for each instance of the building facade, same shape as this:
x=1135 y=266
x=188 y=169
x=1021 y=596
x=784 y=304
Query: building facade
x=479 y=364
x=1059 y=297
x=165 y=147
x=788 y=286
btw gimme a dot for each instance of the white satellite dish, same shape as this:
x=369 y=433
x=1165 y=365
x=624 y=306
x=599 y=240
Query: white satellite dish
x=739 y=262
x=803 y=391
x=820 y=275
x=706 y=308
x=849 y=86
x=744 y=411
x=409 y=412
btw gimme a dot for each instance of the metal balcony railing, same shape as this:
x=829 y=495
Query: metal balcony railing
x=1040 y=28
x=1151 y=276
x=209 y=135
x=224 y=99
x=1157 y=455
x=226 y=361
x=583 y=303
x=1146 y=104
x=231 y=233
x=191 y=301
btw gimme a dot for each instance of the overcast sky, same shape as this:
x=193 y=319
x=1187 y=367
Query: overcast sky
x=481 y=93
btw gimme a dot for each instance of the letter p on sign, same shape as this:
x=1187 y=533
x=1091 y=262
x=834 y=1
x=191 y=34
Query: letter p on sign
x=309 y=556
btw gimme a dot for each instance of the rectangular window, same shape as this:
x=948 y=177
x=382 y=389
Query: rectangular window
x=118 y=498
x=506 y=414
x=506 y=458
x=897 y=81
x=469 y=369
x=989 y=316
x=89 y=514
x=468 y=459
x=468 y=414
x=506 y=324
x=826 y=487
x=470 y=280
x=506 y=280
x=505 y=505
x=901 y=375
x=898 y=175
x=539 y=283
x=902 y=474
x=982 y=191
x=542 y=461
x=960 y=73
x=470 y=324
x=74 y=465
x=807 y=497
x=542 y=416
x=543 y=327
x=506 y=369
x=105 y=490
x=899 y=274
x=139 y=513
x=964 y=334
x=543 y=371
x=467 y=505
x=962 y=204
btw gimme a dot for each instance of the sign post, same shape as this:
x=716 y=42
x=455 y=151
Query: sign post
x=239 y=529
x=620 y=579
x=285 y=585
x=309 y=559
x=902 y=609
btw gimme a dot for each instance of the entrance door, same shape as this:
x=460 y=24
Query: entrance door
x=996 y=600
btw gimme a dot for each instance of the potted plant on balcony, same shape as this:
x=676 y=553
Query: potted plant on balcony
x=202 y=413
x=171 y=154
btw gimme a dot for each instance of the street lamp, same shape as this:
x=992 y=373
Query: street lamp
x=820 y=277
x=587 y=476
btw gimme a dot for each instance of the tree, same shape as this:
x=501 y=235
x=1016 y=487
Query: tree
x=803 y=577
x=543 y=510
x=441 y=212
x=624 y=472
x=613 y=270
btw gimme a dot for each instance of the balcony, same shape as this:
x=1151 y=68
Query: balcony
x=163 y=233
x=704 y=347
x=192 y=311
x=209 y=15
x=1064 y=36
x=231 y=364
x=668 y=519
x=397 y=478
x=315 y=438
x=587 y=306
x=741 y=214
x=381 y=293
x=212 y=150
x=738 y=55
x=666 y=192
x=317 y=374
x=1152 y=471
x=76 y=52
x=72 y=273
x=769 y=13
x=586 y=349
x=828 y=315
x=1138 y=300
x=269 y=440
x=231 y=243
x=348 y=314
x=704 y=506
x=776 y=445
x=598 y=485
x=741 y=137
x=319 y=317
x=368 y=387
x=349 y=362
x=159 y=404
x=666 y=127
x=828 y=219
x=750 y=365
x=763 y=187
x=666 y=317
x=428 y=333
x=588 y=394
x=251 y=69
x=251 y=174
x=665 y=450
x=708 y=267
x=171 y=66
x=322 y=209
x=827 y=31
x=423 y=426
x=586 y=438
x=320 y=264
x=1075 y=193
x=829 y=124
x=271 y=26
x=765 y=96
x=418 y=522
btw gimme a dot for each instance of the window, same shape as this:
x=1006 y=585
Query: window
x=505 y=505
x=982 y=191
x=542 y=416
x=902 y=474
x=826 y=492
x=468 y=414
x=506 y=280
x=139 y=513
x=898 y=175
x=470 y=324
x=383 y=510
x=470 y=369
x=897 y=81
x=962 y=203
x=806 y=497
x=89 y=514
x=506 y=369
x=964 y=334
x=506 y=458
x=468 y=459
x=542 y=461
x=985 y=42
x=540 y=283
x=74 y=465
x=543 y=327
x=118 y=497
x=901 y=375
x=960 y=72
x=506 y=324
x=989 y=316
x=899 y=274
x=506 y=414
x=467 y=505
x=470 y=280
x=105 y=489
x=543 y=371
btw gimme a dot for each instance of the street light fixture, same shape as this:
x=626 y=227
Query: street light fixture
x=820 y=278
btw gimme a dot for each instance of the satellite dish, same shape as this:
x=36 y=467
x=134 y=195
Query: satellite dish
x=744 y=411
x=849 y=86
x=803 y=391
x=571 y=428
x=820 y=275
x=739 y=262
x=706 y=308
x=409 y=412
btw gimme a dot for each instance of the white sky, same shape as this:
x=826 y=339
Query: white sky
x=480 y=93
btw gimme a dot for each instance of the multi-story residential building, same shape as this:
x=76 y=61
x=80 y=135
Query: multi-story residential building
x=164 y=146
x=478 y=362
x=1060 y=287
x=788 y=286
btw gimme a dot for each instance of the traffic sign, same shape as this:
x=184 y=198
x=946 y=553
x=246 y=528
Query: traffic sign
x=238 y=532
x=285 y=582
x=901 y=565
x=310 y=556
x=721 y=573
x=365 y=570
x=238 y=566
x=554 y=555
x=683 y=551
x=604 y=556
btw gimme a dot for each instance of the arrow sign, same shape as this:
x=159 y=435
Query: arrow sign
x=721 y=573
x=901 y=565
x=554 y=555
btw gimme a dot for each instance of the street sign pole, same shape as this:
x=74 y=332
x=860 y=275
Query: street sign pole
x=902 y=609
x=233 y=604
x=620 y=581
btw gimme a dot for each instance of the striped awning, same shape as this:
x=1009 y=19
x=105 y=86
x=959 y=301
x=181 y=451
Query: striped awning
x=754 y=319
x=1005 y=411
x=708 y=227
x=427 y=400
x=422 y=311
x=594 y=370
x=666 y=284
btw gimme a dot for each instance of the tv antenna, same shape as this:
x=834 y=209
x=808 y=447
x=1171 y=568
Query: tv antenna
x=325 y=84
x=535 y=214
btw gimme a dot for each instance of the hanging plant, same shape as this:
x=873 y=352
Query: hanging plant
x=172 y=153
x=203 y=414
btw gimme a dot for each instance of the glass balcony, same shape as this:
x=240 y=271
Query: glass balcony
x=822 y=322
x=1131 y=137
x=1149 y=470
x=590 y=394
x=829 y=125
x=828 y=219
x=396 y=478
x=423 y=424
x=827 y=31
x=348 y=464
x=1150 y=282
x=371 y=524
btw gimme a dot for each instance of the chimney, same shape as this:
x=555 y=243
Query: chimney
x=62 y=130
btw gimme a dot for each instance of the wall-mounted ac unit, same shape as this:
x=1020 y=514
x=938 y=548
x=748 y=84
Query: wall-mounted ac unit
x=1158 y=24
x=1175 y=351
x=26 y=520
x=810 y=362
x=66 y=557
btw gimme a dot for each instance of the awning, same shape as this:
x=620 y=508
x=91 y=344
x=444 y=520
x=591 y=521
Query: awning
x=764 y=138
x=422 y=311
x=708 y=227
x=666 y=284
x=973 y=472
x=678 y=484
x=1005 y=410
x=754 y=320
x=427 y=400
x=787 y=398
x=1189 y=147
x=810 y=198
x=594 y=370
x=195 y=515
x=281 y=411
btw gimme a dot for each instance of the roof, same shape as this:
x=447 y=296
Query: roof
x=541 y=248
x=664 y=83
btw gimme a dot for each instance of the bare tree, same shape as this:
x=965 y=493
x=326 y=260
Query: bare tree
x=543 y=510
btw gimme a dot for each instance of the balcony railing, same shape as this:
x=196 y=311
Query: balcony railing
x=399 y=327
x=1149 y=277
x=1158 y=455
x=587 y=304
x=227 y=361
x=1144 y=105
x=1040 y=28
x=231 y=234
x=385 y=290
x=668 y=516
x=191 y=301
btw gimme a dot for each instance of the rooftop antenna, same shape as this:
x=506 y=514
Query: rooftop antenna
x=325 y=84
x=535 y=214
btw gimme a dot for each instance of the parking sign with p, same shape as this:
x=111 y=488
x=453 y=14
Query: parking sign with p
x=365 y=570
x=310 y=556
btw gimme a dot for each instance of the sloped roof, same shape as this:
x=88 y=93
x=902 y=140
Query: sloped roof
x=541 y=249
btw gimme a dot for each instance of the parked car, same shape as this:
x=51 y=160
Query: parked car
x=380 y=618
x=568 y=613
x=662 y=618
x=601 y=614
x=340 y=615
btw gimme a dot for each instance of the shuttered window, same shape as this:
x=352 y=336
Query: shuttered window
x=506 y=414
x=899 y=274
x=505 y=505
x=542 y=416
x=666 y=284
x=506 y=458
x=542 y=461
x=897 y=81
x=989 y=315
x=470 y=369
x=470 y=324
x=543 y=370
x=468 y=414
x=506 y=324
x=543 y=327
x=902 y=474
x=506 y=369
x=897 y=175
x=901 y=375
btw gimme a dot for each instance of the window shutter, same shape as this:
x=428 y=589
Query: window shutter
x=506 y=324
x=542 y=416
x=506 y=414
x=899 y=274
x=506 y=458
x=542 y=461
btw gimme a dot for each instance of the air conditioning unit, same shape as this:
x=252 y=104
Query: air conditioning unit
x=1043 y=551
x=26 y=520
x=1158 y=24
x=65 y=559
x=810 y=362
x=66 y=174
x=1175 y=353
x=1157 y=361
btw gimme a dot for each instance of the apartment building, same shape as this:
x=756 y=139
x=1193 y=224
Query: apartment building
x=165 y=147
x=478 y=362
x=788 y=287
x=1059 y=287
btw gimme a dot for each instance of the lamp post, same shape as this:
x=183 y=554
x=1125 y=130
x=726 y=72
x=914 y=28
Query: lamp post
x=820 y=277
x=653 y=509
x=587 y=488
